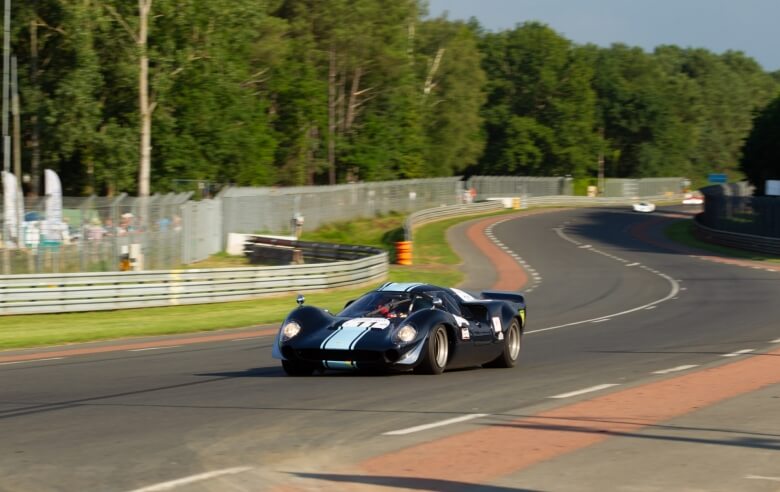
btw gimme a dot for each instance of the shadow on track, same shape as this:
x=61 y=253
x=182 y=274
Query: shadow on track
x=749 y=440
x=410 y=483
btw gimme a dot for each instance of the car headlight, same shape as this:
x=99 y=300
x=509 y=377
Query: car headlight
x=406 y=334
x=289 y=330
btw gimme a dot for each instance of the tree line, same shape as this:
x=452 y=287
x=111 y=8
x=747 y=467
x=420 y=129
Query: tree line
x=143 y=96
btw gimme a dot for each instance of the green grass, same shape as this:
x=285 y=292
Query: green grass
x=380 y=232
x=682 y=232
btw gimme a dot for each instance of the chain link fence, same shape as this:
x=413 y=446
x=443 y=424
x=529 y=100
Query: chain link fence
x=168 y=231
x=97 y=234
x=732 y=208
x=507 y=186
x=272 y=210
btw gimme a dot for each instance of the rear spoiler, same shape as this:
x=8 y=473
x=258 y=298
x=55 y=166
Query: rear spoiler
x=504 y=296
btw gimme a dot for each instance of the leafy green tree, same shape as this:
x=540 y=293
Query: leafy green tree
x=359 y=51
x=727 y=89
x=449 y=64
x=642 y=113
x=761 y=152
x=540 y=114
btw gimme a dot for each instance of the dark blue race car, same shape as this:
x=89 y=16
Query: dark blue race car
x=404 y=327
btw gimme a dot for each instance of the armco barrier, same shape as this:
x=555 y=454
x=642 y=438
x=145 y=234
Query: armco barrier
x=28 y=294
x=761 y=244
x=446 y=212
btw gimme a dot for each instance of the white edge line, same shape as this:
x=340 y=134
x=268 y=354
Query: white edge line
x=193 y=478
x=775 y=341
x=440 y=423
x=598 y=387
x=739 y=352
x=31 y=360
x=675 y=369
x=153 y=348
x=675 y=290
x=759 y=477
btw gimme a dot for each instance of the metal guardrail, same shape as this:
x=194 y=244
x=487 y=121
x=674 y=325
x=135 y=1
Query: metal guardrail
x=750 y=242
x=440 y=213
x=28 y=294
x=312 y=251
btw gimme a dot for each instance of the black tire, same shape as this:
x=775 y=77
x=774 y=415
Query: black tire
x=436 y=352
x=513 y=342
x=293 y=368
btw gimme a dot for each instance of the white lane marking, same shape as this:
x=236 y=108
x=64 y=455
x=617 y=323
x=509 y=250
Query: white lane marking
x=759 y=477
x=672 y=294
x=242 y=339
x=586 y=246
x=153 y=348
x=739 y=352
x=31 y=360
x=599 y=320
x=598 y=387
x=632 y=264
x=651 y=307
x=192 y=479
x=675 y=369
x=775 y=341
x=440 y=423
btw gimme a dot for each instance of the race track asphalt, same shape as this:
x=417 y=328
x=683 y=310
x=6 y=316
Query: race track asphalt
x=611 y=304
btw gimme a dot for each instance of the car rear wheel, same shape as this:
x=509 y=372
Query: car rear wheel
x=293 y=368
x=437 y=352
x=511 y=351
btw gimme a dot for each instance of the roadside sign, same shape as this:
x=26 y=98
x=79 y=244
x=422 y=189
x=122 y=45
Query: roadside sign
x=773 y=187
x=717 y=178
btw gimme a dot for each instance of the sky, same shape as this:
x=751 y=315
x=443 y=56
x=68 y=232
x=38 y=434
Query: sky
x=750 y=26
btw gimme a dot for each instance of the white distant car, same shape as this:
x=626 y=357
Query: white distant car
x=644 y=207
x=693 y=200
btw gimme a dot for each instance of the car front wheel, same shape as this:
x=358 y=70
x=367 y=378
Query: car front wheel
x=437 y=352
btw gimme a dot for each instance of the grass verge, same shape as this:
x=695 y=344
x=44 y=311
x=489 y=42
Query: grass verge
x=682 y=232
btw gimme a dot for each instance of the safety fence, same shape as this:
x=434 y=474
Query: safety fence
x=28 y=294
x=485 y=187
x=169 y=231
x=95 y=234
x=272 y=210
x=732 y=208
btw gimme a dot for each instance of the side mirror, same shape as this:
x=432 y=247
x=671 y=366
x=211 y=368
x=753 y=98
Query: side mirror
x=300 y=300
x=437 y=303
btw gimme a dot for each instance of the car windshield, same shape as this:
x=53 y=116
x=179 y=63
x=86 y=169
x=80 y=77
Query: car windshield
x=386 y=305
